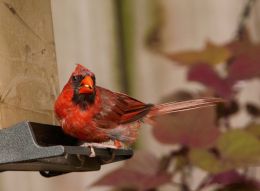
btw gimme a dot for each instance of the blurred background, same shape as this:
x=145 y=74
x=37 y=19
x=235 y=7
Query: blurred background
x=154 y=50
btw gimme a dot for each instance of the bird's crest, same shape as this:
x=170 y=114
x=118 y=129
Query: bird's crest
x=81 y=70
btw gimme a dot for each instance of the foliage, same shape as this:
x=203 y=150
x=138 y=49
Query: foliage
x=143 y=172
x=205 y=138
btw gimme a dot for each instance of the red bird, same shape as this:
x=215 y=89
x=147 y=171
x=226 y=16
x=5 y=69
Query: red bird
x=94 y=114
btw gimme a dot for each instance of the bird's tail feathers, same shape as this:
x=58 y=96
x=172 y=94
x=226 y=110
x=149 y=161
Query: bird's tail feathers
x=172 y=107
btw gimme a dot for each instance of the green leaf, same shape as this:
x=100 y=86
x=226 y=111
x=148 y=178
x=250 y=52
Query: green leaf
x=236 y=148
x=207 y=161
x=254 y=129
x=239 y=147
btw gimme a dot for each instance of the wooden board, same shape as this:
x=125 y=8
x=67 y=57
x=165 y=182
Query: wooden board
x=28 y=69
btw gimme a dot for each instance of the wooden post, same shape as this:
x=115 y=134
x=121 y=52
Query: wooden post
x=28 y=74
x=28 y=69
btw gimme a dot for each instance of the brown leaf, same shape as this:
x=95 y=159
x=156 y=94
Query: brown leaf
x=212 y=54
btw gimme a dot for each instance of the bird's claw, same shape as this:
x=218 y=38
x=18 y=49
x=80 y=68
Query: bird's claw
x=98 y=145
x=92 y=152
x=91 y=147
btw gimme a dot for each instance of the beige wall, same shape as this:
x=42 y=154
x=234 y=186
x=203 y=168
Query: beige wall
x=84 y=33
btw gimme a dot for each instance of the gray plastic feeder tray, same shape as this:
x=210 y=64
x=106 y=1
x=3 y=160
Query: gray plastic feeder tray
x=30 y=146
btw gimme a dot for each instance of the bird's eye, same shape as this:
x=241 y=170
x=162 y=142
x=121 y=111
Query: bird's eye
x=74 y=78
x=77 y=78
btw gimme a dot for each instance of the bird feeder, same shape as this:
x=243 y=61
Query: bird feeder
x=29 y=146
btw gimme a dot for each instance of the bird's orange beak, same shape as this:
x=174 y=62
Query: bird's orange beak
x=87 y=85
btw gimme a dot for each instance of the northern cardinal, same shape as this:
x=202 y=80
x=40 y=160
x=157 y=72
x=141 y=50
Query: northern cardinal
x=94 y=114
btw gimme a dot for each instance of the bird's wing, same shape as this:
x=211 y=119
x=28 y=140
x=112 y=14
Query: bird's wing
x=118 y=108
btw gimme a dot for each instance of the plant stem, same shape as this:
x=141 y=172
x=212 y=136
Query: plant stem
x=244 y=16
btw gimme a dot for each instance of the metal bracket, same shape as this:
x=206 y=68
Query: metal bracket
x=30 y=146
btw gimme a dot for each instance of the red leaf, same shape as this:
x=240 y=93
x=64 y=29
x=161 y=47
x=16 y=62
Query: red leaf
x=140 y=172
x=233 y=178
x=227 y=178
x=195 y=128
x=244 y=46
x=244 y=67
x=244 y=64
x=205 y=74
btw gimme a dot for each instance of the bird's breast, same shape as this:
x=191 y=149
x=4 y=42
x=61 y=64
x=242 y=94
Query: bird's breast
x=79 y=122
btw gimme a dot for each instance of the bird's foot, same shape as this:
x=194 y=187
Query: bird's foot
x=92 y=151
x=98 y=145
x=101 y=145
x=117 y=144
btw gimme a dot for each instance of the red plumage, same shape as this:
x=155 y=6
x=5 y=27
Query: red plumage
x=95 y=114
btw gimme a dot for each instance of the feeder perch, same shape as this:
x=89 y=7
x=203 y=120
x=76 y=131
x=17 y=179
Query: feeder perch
x=30 y=146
